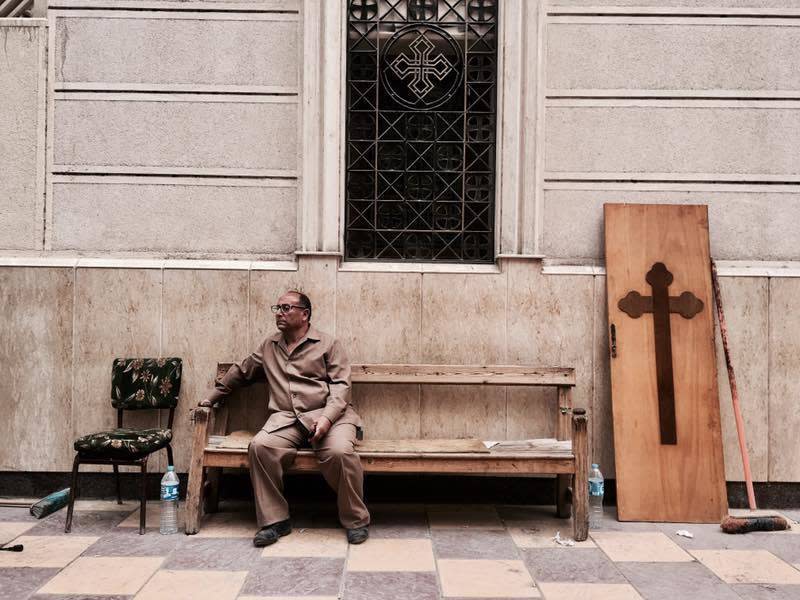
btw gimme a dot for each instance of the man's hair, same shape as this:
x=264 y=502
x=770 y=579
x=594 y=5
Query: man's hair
x=305 y=302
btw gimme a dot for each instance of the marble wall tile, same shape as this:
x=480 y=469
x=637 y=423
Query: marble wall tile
x=601 y=423
x=388 y=411
x=550 y=324
x=746 y=304
x=205 y=322
x=378 y=316
x=36 y=354
x=531 y=412
x=784 y=383
x=117 y=314
x=463 y=411
x=463 y=323
x=463 y=318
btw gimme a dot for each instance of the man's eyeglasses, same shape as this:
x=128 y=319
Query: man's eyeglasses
x=285 y=308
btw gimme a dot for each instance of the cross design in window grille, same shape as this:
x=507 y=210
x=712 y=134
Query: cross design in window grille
x=421 y=67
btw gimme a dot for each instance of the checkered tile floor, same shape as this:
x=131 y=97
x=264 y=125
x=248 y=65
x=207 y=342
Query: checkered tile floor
x=414 y=553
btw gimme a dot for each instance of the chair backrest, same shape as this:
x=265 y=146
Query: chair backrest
x=138 y=383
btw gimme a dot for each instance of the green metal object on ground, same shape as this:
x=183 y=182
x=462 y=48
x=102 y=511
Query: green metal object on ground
x=50 y=504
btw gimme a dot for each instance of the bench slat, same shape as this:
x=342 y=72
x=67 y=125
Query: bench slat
x=393 y=462
x=454 y=374
x=460 y=374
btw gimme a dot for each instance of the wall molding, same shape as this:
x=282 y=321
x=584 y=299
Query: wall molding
x=725 y=268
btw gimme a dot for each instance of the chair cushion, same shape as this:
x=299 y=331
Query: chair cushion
x=123 y=443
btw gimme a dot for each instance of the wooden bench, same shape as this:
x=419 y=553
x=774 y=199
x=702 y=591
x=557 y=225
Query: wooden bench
x=566 y=456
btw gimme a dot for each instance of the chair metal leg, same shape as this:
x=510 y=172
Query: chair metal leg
x=119 y=489
x=143 y=506
x=170 y=461
x=73 y=492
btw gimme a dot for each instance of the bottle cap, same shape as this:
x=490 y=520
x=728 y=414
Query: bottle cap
x=595 y=466
x=170 y=468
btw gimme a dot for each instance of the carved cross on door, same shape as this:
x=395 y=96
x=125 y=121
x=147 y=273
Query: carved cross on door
x=661 y=304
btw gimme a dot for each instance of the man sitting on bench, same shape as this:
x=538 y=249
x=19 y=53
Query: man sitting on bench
x=308 y=382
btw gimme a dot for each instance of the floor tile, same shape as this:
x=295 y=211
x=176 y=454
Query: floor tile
x=20 y=582
x=11 y=529
x=611 y=523
x=235 y=524
x=475 y=516
x=104 y=575
x=391 y=586
x=152 y=516
x=79 y=597
x=392 y=555
x=212 y=553
x=294 y=577
x=330 y=543
x=288 y=598
x=128 y=542
x=595 y=591
x=46 y=551
x=767 y=591
x=577 y=565
x=639 y=546
x=127 y=506
x=83 y=523
x=541 y=534
x=477 y=543
x=482 y=578
x=192 y=585
x=674 y=581
x=398 y=521
x=16 y=513
x=707 y=536
x=748 y=566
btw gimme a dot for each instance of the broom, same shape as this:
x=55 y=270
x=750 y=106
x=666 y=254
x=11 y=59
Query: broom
x=44 y=507
x=741 y=524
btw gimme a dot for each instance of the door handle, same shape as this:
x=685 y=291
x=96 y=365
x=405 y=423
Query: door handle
x=613 y=341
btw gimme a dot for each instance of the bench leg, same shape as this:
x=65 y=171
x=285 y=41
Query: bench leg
x=580 y=488
x=562 y=496
x=194 y=490
x=213 y=475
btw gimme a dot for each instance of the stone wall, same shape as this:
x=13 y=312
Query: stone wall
x=23 y=56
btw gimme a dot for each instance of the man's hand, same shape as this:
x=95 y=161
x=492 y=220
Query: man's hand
x=321 y=427
x=206 y=403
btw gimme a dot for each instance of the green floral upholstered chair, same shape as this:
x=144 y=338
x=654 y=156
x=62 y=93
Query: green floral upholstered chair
x=136 y=384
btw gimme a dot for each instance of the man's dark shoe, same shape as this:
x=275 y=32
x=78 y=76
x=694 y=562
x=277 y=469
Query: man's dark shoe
x=269 y=535
x=358 y=535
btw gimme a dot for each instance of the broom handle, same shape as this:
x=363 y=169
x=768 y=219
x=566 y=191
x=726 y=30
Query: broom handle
x=748 y=476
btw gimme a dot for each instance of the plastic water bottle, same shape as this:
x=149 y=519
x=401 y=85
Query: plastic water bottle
x=169 y=502
x=596 y=485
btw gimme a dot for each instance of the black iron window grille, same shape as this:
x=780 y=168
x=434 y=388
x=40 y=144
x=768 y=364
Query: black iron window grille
x=421 y=129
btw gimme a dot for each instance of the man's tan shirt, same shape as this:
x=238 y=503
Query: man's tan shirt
x=312 y=381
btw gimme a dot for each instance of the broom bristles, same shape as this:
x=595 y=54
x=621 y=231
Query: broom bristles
x=748 y=524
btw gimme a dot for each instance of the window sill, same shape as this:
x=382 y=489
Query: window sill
x=382 y=267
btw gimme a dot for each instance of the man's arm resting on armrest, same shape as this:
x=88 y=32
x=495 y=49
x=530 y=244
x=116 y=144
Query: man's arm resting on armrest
x=241 y=374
